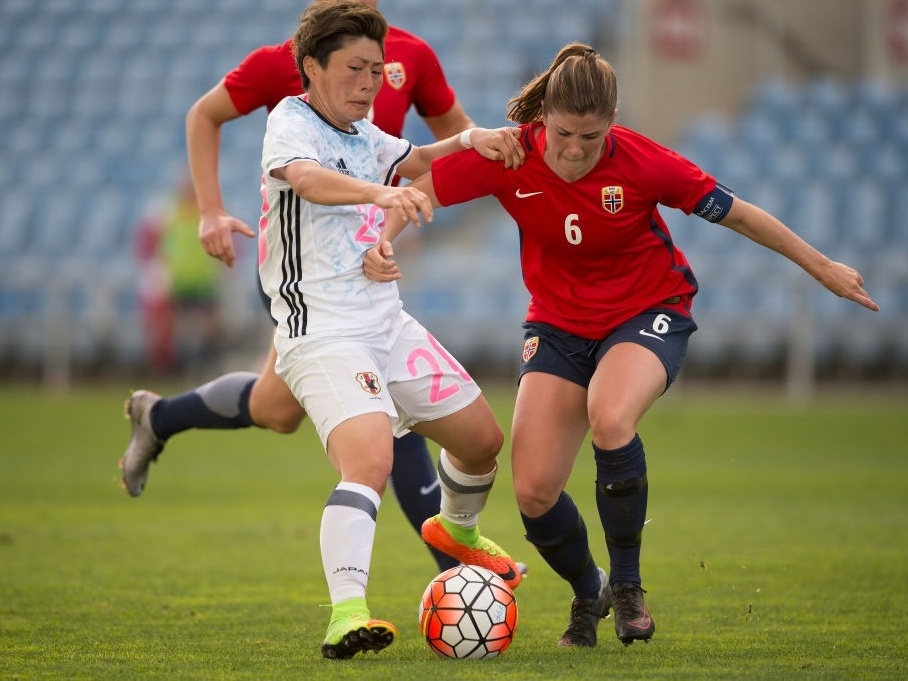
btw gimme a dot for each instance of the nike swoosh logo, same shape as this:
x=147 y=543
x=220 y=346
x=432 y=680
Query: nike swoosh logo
x=644 y=332
x=641 y=622
x=521 y=195
x=428 y=490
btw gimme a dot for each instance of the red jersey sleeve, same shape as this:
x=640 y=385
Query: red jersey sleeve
x=465 y=175
x=264 y=78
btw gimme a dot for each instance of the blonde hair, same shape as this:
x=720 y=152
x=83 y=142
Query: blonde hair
x=578 y=82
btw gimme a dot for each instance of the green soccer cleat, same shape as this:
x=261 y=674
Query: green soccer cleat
x=355 y=634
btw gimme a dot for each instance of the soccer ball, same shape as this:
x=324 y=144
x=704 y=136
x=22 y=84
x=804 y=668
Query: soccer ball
x=468 y=612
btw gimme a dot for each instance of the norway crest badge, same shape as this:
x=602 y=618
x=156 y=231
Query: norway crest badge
x=395 y=75
x=613 y=199
x=530 y=346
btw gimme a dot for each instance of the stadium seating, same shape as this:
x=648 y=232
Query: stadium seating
x=829 y=159
x=91 y=126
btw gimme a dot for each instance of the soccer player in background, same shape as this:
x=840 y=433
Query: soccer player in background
x=609 y=315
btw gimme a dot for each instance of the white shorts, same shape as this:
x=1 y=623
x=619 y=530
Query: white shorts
x=403 y=372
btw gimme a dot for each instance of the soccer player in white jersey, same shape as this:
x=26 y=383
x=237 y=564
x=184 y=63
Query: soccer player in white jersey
x=361 y=367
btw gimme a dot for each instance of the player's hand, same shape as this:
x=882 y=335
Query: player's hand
x=215 y=233
x=408 y=200
x=500 y=144
x=379 y=264
x=846 y=282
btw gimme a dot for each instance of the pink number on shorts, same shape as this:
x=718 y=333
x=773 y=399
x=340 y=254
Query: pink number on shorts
x=437 y=392
x=453 y=363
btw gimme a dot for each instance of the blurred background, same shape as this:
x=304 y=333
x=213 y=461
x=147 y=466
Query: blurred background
x=800 y=106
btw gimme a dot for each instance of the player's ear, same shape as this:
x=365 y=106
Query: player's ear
x=310 y=66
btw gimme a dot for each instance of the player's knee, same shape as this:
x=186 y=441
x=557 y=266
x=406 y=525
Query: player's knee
x=611 y=429
x=490 y=446
x=493 y=442
x=534 y=500
x=375 y=466
x=285 y=424
x=283 y=420
x=484 y=444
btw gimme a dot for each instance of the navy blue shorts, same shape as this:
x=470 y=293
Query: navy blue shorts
x=552 y=351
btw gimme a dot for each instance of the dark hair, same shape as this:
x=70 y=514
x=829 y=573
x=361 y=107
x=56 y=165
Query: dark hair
x=579 y=82
x=328 y=26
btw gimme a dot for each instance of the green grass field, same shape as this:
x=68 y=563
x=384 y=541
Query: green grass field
x=778 y=549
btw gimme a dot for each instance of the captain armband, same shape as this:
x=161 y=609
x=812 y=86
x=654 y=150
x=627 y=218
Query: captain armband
x=715 y=205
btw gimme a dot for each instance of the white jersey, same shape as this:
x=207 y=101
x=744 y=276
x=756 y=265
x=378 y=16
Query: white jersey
x=311 y=256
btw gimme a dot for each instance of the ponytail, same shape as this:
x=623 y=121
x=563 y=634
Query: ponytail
x=578 y=81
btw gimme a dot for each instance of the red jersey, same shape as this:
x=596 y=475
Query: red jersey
x=413 y=77
x=594 y=252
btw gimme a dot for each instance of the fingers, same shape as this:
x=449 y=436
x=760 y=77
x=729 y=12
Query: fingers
x=420 y=203
x=848 y=283
x=215 y=234
x=243 y=229
x=410 y=201
x=385 y=249
x=217 y=246
x=502 y=144
x=863 y=298
x=378 y=264
x=512 y=150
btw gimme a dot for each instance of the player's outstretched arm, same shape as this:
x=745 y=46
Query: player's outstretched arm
x=497 y=144
x=765 y=229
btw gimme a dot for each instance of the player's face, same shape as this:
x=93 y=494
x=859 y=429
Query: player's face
x=344 y=90
x=574 y=144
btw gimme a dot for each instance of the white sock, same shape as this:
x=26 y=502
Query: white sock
x=462 y=496
x=347 y=535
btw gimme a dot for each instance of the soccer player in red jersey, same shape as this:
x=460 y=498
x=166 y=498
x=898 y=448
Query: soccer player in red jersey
x=413 y=77
x=609 y=316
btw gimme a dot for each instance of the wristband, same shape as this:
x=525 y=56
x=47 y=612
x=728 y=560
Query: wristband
x=465 y=140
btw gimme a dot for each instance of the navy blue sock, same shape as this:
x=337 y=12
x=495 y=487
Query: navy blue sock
x=220 y=404
x=560 y=536
x=415 y=484
x=621 y=496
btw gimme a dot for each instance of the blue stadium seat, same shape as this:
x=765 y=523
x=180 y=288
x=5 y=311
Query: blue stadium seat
x=864 y=216
x=827 y=95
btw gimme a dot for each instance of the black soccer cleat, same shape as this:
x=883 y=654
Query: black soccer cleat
x=632 y=619
x=585 y=616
